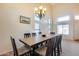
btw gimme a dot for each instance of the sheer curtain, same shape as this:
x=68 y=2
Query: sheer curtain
x=45 y=25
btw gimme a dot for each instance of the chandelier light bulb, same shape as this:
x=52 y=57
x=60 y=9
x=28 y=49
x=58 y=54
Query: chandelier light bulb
x=41 y=7
x=44 y=9
x=35 y=9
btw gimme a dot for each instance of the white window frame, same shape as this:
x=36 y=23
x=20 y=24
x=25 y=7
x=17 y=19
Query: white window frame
x=63 y=21
x=38 y=22
x=76 y=17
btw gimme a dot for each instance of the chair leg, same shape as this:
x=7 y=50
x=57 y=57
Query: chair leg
x=54 y=51
x=58 y=51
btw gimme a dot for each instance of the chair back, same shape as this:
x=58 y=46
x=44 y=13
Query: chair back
x=26 y=35
x=52 y=32
x=33 y=34
x=15 y=51
x=58 y=43
x=50 y=45
x=59 y=39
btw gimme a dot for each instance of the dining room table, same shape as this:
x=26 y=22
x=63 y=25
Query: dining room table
x=34 y=41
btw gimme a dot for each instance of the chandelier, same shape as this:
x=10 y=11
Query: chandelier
x=40 y=11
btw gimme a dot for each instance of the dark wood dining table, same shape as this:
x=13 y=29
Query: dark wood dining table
x=35 y=40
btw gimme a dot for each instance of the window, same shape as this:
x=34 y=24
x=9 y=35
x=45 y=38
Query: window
x=63 y=25
x=65 y=18
x=59 y=29
x=49 y=25
x=37 y=24
x=77 y=17
x=63 y=29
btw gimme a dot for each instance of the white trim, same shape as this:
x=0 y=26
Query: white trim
x=4 y=52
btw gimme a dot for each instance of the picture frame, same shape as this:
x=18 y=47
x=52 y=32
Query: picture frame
x=24 y=20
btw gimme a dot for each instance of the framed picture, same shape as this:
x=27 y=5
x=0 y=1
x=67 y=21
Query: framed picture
x=24 y=20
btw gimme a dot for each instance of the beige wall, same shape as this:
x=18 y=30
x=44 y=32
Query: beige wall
x=60 y=10
x=10 y=26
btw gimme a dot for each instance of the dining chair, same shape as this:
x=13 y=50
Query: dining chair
x=46 y=51
x=60 y=41
x=52 y=32
x=58 y=44
x=33 y=34
x=39 y=32
x=26 y=35
x=21 y=51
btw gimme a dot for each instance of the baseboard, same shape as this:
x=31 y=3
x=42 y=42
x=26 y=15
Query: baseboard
x=3 y=53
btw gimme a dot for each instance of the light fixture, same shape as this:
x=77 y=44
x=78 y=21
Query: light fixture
x=40 y=11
